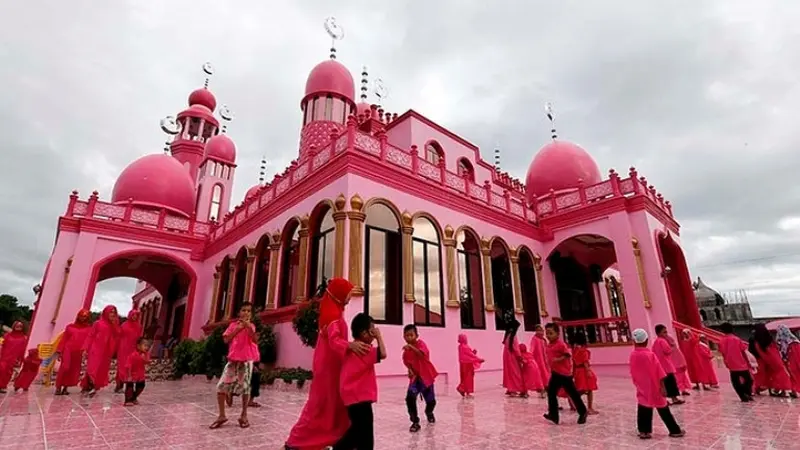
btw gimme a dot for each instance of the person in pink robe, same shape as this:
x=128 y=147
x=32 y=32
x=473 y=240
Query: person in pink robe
x=789 y=346
x=130 y=332
x=538 y=346
x=531 y=377
x=100 y=346
x=12 y=353
x=324 y=418
x=772 y=372
x=70 y=351
x=708 y=374
x=689 y=345
x=512 y=361
x=29 y=372
x=681 y=371
x=468 y=362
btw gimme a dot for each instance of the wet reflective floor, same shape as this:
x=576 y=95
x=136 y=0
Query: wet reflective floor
x=176 y=415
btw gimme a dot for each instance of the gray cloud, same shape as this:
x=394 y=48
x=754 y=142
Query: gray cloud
x=700 y=96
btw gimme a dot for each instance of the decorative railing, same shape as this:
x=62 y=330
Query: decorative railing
x=410 y=162
x=712 y=335
x=603 y=332
x=154 y=218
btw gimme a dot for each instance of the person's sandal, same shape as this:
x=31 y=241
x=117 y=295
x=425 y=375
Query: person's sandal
x=218 y=423
x=645 y=436
x=678 y=435
x=253 y=404
x=244 y=423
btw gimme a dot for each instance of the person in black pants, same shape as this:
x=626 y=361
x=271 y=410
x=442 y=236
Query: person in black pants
x=255 y=386
x=560 y=360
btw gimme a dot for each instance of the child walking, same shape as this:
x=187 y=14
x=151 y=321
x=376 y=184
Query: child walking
x=585 y=379
x=359 y=385
x=136 y=371
x=421 y=374
x=734 y=355
x=708 y=374
x=241 y=338
x=30 y=369
x=648 y=376
x=469 y=362
x=663 y=351
x=531 y=378
x=538 y=345
x=560 y=360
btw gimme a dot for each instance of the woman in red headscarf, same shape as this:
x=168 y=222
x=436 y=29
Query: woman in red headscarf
x=100 y=346
x=324 y=418
x=130 y=332
x=70 y=350
x=11 y=353
x=29 y=372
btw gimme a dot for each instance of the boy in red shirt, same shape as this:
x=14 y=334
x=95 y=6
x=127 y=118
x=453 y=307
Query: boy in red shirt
x=137 y=365
x=560 y=359
x=733 y=353
x=421 y=374
x=358 y=385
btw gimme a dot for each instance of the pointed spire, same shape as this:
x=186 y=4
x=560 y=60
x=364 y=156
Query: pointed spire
x=497 y=157
x=263 y=170
x=548 y=109
x=208 y=69
x=364 y=84
x=335 y=31
x=227 y=115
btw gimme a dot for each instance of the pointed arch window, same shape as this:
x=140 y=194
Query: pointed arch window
x=429 y=302
x=470 y=280
x=216 y=201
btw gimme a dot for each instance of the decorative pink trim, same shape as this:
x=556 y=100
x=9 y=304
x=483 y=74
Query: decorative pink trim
x=98 y=265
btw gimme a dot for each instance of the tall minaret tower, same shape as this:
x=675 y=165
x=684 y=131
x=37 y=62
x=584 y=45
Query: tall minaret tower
x=329 y=97
x=197 y=124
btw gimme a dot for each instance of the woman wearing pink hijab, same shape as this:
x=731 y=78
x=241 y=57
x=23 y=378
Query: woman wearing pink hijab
x=538 y=345
x=100 y=346
x=12 y=353
x=681 y=370
x=690 y=346
x=130 y=332
x=512 y=361
x=469 y=362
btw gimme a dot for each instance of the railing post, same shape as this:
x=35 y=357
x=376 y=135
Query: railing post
x=553 y=203
x=162 y=215
x=126 y=217
x=581 y=191
x=634 y=179
x=351 y=132
x=507 y=196
x=488 y=186
x=382 y=139
x=92 y=204
x=613 y=176
x=73 y=198
x=414 y=160
x=442 y=171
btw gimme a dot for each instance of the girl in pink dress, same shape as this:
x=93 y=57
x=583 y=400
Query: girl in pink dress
x=689 y=345
x=324 y=418
x=469 y=362
x=12 y=353
x=681 y=374
x=708 y=372
x=70 y=351
x=512 y=359
x=100 y=346
x=538 y=345
x=585 y=379
x=29 y=372
x=531 y=378
x=789 y=346
x=772 y=372
x=130 y=332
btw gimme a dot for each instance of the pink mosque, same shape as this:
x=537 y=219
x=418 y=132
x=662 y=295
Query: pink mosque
x=427 y=230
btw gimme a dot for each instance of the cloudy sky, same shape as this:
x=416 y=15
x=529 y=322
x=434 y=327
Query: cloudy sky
x=702 y=97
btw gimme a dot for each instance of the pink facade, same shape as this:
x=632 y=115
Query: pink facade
x=427 y=231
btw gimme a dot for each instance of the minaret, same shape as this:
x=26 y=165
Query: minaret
x=329 y=97
x=215 y=182
x=197 y=124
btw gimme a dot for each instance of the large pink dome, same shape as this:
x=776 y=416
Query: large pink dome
x=158 y=181
x=560 y=165
x=222 y=148
x=330 y=77
x=203 y=97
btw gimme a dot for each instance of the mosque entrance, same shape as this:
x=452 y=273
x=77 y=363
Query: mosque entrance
x=169 y=281
x=675 y=273
x=502 y=289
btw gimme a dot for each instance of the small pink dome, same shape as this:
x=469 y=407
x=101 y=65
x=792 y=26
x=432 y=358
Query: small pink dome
x=363 y=108
x=203 y=97
x=330 y=77
x=560 y=165
x=252 y=191
x=199 y=111
x=158 y=181
x=222 y=148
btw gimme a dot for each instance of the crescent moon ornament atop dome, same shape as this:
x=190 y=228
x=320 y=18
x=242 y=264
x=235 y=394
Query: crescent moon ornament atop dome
x=170 y=125
x=379 y=89
x=208 y=68
x=334 y=30
x=226 y=113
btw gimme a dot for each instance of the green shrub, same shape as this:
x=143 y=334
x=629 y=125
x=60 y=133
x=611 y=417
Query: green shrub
x=306 y=323
x=184 y=354
x=267 y=341
x=215 y=352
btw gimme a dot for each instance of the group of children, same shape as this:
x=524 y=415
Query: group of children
x=12 y=355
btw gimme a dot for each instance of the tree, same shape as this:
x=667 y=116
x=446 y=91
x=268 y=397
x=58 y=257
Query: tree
x=11 y=310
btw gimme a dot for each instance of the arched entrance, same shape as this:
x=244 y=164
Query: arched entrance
x=527 y=284
x=502 y=289
x=261 y=268
x=675 y=273
x=173 y=278
x=383 y=265
x=470 y=279
x=323 y=242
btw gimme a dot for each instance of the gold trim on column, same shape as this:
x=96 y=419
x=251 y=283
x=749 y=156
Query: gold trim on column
x=357 y=217
x=537 y=266
x=407 y=230
x=339 y=216
x=214 y=295
x=449 y=243
x=637 y=254
x=231 y=287
x=62 y=290
x=274 y=256
x=249 y=274
x=303 y=234
x=488 y=292
x=609 y=289
x=514 y=258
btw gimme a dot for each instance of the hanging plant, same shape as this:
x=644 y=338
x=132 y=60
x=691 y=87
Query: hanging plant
x=306 y=320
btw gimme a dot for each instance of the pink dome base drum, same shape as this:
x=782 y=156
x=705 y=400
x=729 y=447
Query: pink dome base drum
x=420 y=223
